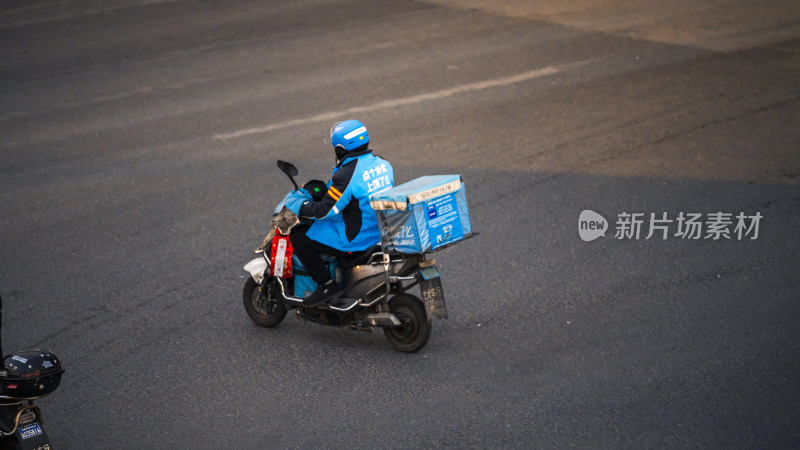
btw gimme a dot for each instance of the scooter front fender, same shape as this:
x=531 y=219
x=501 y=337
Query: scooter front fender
x=257 y=268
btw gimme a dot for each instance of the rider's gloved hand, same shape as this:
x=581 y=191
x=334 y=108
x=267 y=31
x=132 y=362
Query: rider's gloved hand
x=295 y=200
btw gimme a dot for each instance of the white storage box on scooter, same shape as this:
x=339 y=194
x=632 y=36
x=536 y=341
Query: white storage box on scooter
x=423 y=215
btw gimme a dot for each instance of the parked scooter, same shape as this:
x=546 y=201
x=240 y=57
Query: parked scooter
x=376 y=285
x=25 y=376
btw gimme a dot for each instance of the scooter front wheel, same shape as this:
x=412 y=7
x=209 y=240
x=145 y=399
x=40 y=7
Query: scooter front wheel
x=415 y=326
x=263 y=307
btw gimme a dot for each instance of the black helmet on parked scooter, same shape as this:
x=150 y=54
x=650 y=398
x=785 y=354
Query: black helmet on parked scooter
x=30 y=373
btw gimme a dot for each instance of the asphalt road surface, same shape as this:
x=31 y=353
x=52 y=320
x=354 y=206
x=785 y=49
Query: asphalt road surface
x=138 y=141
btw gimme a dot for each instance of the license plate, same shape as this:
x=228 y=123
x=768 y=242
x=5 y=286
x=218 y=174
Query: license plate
x=431 y=286
x=29 y=431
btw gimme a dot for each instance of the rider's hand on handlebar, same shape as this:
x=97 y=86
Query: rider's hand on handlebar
x=295 y=200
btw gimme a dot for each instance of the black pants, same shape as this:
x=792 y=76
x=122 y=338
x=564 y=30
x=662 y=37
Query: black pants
x=309 y=252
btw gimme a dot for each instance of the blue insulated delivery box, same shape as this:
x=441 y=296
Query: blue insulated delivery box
x=422 y=215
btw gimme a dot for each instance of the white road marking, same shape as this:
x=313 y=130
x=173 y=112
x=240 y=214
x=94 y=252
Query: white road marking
x=394 y=103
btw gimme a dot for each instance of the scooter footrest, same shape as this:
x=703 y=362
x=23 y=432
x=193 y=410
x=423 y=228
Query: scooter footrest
x=343 y=304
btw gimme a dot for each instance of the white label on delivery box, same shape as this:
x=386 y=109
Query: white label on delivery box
x=434 y=192
x=383 y=205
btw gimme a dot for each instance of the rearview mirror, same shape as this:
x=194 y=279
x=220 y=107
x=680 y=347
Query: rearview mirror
x=287 y=168
x=290 y=170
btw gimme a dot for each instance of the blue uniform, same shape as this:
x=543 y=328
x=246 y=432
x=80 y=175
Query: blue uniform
x=345 y=219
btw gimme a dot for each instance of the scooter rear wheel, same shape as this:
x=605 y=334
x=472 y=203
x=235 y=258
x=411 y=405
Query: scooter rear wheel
x=264 y=308
x=415 y=328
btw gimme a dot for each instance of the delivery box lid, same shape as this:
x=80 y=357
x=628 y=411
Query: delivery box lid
x=415 y=191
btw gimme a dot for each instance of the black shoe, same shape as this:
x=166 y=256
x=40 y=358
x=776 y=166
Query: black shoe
x=323 y=294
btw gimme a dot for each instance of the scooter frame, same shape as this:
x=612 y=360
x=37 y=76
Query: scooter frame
x=409 y=265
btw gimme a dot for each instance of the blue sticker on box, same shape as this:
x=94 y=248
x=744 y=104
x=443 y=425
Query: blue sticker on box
x=444 y=224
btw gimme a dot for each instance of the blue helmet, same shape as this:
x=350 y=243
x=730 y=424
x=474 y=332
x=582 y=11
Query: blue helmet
x=349 y=135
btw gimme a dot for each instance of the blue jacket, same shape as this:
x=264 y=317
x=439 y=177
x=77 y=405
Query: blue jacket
x=344 y=218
